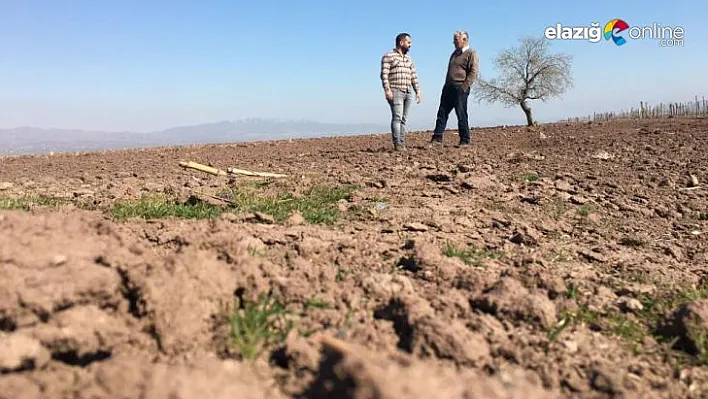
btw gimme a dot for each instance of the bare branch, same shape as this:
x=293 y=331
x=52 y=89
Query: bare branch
x=526 y=72
x=492 y=91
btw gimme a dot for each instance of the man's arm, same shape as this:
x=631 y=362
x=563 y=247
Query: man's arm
x=414 y=79
x=472 y=70
x=385 y=69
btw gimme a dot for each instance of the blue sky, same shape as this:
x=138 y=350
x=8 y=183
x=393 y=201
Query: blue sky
x=149 y=65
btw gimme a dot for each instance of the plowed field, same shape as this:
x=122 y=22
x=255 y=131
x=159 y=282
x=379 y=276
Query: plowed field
x=560 y=261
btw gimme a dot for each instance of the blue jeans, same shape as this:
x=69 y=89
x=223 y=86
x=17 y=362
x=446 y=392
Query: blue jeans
x=400 y=104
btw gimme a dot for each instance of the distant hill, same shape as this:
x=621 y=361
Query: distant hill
x=32 y=140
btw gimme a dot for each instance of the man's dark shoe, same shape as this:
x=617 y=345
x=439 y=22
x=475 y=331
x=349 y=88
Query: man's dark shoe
x=435 y=142
x=463 y=145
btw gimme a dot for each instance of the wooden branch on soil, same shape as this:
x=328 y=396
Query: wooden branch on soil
x=335 y=344
x=233 y=171
x=250 y=173
x=203 y=168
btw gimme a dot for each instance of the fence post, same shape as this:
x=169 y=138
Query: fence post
x=698 y=107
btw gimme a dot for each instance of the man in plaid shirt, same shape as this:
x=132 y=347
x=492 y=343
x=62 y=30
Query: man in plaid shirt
x=397 y=76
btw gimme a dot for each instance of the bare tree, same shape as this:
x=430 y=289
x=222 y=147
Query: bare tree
x=527 y=72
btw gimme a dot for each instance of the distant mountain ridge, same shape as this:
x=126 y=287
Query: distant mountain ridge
x=31 y=140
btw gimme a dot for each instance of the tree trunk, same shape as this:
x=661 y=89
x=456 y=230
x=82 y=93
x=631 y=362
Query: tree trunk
x=527 y=110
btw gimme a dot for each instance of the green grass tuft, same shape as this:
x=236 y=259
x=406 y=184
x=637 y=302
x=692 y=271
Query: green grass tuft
x=256 y=326
x=157 y=208
x=586 y=210
x=632 y=329
x=317 y=205
x=527 y=177
x=471 y=255
x=27 y=202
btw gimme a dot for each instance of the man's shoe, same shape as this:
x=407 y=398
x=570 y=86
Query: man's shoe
x=435 y=143
x=463 y=145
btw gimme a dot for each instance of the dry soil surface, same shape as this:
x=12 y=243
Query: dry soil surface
x=559 y=261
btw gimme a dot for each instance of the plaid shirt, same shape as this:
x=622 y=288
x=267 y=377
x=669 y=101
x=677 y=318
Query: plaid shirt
x=398 y=71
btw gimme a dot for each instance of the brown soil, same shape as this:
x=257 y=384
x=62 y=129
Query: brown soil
x=588 y=278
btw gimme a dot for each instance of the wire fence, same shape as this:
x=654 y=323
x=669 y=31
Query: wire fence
x=690 y=109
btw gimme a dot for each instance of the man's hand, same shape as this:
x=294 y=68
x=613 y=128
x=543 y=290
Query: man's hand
x=418 y=98
x=389 y=95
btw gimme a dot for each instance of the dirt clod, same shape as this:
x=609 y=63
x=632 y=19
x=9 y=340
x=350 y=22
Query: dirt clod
x=19 y=352
x=510 y=298
x=690 y=324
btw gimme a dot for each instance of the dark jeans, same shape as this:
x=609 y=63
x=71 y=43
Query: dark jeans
x=453 y=97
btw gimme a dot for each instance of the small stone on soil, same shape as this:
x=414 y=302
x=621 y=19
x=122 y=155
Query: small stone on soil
x=416 y=226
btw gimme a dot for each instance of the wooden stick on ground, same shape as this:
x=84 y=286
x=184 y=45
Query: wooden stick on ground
x=203 y=168
x=250 y=173
x=234 y=171
x=335 y=344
